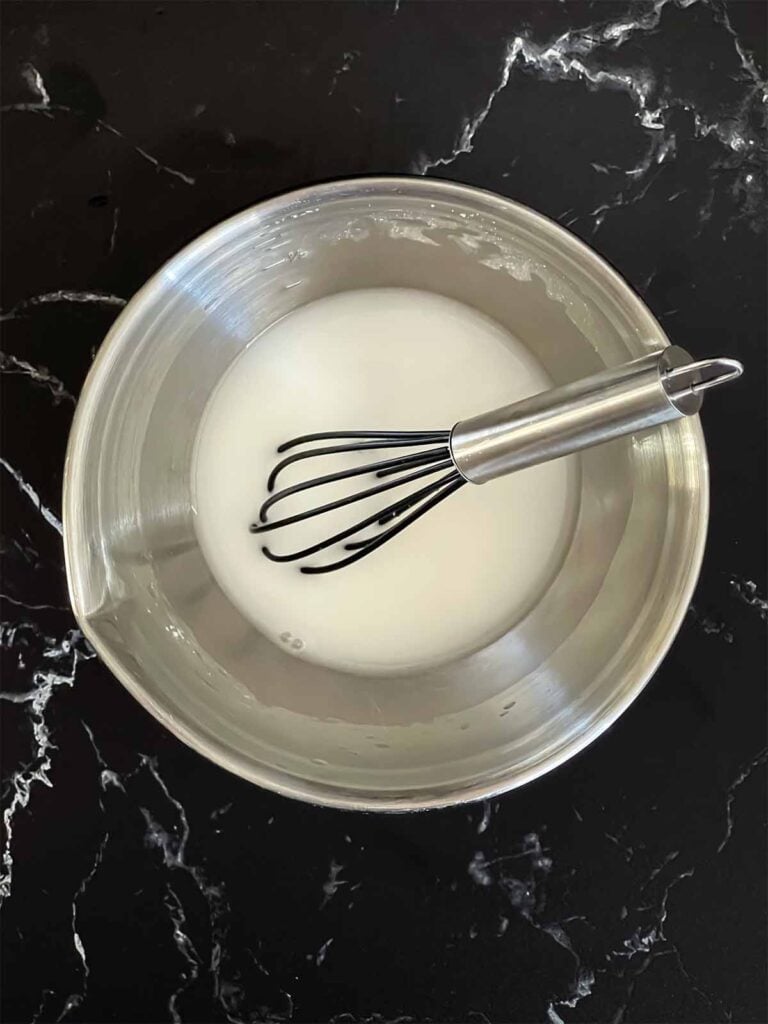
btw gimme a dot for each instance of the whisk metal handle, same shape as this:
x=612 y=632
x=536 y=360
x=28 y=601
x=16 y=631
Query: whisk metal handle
x=654 y=389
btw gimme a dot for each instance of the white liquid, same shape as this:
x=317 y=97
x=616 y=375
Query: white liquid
x=385 y=358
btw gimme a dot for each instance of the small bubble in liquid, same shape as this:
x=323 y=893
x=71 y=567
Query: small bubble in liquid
x=292 y=641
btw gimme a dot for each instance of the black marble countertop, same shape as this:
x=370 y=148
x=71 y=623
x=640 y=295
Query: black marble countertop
x=142 y=883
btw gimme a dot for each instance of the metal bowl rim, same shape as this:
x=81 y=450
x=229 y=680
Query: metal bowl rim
x=273 y=779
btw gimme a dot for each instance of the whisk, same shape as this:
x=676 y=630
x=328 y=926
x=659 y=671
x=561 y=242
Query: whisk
x=654 y=389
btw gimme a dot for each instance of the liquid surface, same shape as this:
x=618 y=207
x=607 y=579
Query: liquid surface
x=388 y=359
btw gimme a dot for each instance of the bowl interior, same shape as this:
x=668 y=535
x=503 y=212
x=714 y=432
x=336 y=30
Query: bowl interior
x=489 y=721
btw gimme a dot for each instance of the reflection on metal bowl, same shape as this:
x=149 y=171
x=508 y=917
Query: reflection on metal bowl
x=482 y=724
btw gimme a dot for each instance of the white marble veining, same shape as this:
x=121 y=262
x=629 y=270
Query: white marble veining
x=64 y=295
x=333 y=883
x=744 y=774
x=27 y=489
x=41 y=375
x=607 y=940
x=746 y=591
x=518 y=882
x=57 y=664
x=347 y=60
x=44 y=105
x=75 y=999
x=591 y=55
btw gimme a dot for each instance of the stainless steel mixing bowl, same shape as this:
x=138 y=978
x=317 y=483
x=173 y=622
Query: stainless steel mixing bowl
x=486 y=723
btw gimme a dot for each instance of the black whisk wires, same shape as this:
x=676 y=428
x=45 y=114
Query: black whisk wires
x=393 y=472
